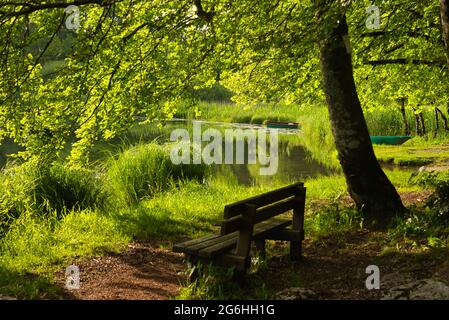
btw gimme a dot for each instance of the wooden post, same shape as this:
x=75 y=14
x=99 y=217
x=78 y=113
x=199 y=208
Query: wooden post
x=246 y=233
x=298 y=224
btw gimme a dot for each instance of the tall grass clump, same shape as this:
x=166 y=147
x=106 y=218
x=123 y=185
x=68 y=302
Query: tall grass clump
x=65 y=188
x=46 y=187
x=146 y=169
x=384 y=121
x=16 y=187
x=237 y=113
x=317 y=136
x=387 y=121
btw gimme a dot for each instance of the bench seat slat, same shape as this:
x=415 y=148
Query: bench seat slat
x=260 y=230
x=218 y=239
x=194 y=246
x=179 y=247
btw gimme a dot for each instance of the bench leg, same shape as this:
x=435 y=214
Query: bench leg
x=295 y=250
x=298 y=224
x=260 y=247
x=239 y=277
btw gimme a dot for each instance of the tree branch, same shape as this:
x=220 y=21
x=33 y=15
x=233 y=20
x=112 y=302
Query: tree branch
x=29 y=8
x=201 y=12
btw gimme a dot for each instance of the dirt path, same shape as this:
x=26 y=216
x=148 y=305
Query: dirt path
x=141 y=272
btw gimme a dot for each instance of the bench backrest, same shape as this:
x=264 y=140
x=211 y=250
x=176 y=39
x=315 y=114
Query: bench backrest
x=266 y=206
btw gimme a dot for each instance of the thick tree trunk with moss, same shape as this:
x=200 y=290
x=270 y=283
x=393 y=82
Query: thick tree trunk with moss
x=368 y=185
x=444 y=10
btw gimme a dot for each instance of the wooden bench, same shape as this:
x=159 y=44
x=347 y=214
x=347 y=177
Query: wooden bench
x=251 y=220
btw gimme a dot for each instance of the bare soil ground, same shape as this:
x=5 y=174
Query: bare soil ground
x=141 y=272
x=333 y=267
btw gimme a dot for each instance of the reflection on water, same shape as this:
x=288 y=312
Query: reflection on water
x=294 y=162
x=294 y=165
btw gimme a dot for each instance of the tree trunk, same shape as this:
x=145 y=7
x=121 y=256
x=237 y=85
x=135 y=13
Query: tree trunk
x=423 y=125
x=445 y=123
x=367 y=184
x=404 y=118
x=417 y=126
x=437 y=121
x=417 y=123
x=444 y=11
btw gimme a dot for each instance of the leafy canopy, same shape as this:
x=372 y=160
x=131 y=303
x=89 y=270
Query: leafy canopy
x=134 y=58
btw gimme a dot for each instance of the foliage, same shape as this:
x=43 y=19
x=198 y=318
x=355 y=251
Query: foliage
x=216 y=93
x=430 y=222
x=213 y=283
x=404 y=58
x=136 y=57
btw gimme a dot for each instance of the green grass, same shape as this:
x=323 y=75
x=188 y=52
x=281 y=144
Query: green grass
x=334 y=186
x=146 y=169
x=317 y=136
x=218 y=284
x=188 y=211
x=325 y=187
x=428 y=226
x=412 y=155
x=47 y=188
x=380 y=121
x=39 y=242
x=388 y=121
x=227 y=112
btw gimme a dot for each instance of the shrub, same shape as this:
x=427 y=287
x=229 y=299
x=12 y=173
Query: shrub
x=433 y=219
x=215 y=93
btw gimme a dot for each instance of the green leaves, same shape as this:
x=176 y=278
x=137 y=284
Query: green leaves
x=136 y=58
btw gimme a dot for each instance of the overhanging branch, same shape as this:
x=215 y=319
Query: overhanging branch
x=30 y=7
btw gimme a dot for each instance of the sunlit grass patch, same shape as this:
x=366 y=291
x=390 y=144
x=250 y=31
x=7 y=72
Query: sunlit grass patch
x=194 y=209
x=144 y=170
x=325 y=187
x=412 y=155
